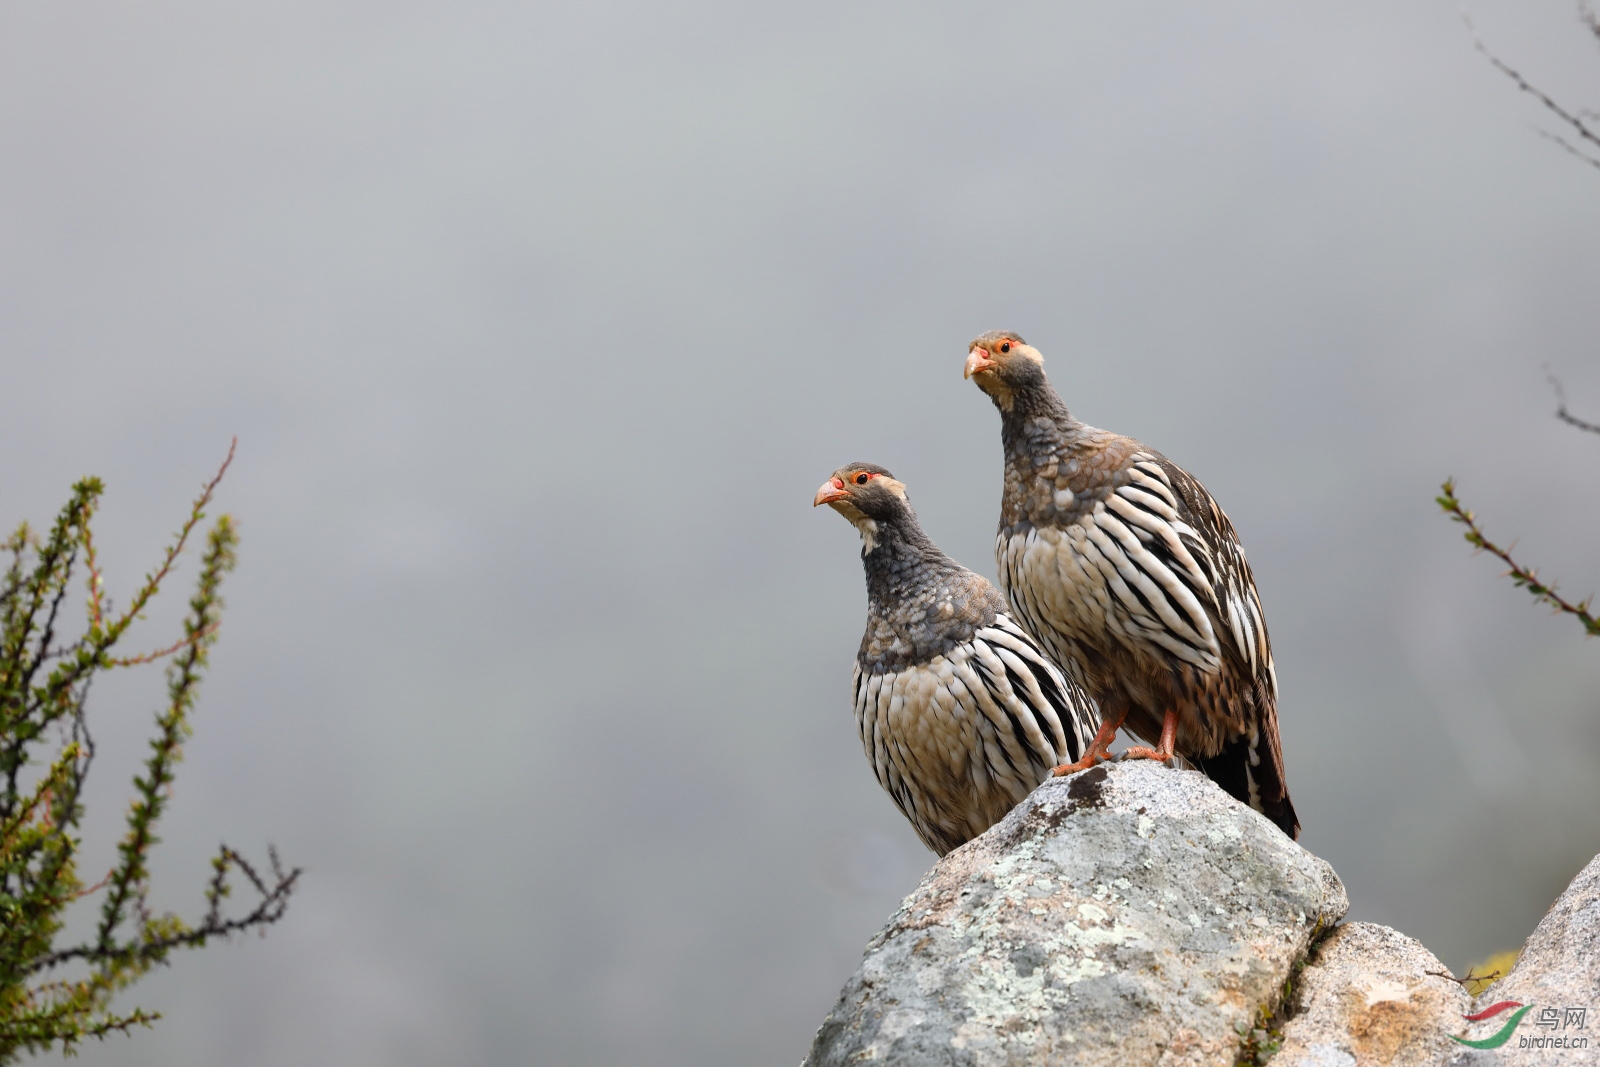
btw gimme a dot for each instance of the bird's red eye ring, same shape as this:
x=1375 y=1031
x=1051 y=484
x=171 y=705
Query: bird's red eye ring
x=862 y=477
x=1005 y=346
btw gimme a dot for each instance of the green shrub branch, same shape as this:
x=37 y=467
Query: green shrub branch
x=1523 y=577
x=56 y=996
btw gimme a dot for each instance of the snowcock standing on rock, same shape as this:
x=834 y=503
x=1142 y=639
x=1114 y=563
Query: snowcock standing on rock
x=1121 y=565
x=961 y=713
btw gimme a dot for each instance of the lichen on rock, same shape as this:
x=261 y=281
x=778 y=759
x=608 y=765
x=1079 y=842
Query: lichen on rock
x=1127 y=914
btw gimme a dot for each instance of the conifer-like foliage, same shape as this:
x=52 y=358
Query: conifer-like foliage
x=55 y=996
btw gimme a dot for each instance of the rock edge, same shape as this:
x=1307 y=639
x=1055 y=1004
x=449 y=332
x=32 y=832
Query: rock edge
x=1127 y=914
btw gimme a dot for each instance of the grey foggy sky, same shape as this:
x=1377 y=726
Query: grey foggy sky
x=538 y=327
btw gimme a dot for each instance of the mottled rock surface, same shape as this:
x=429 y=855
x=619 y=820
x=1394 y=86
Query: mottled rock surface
x=1559 y=968
x=1130 y=914
x=1366 y=999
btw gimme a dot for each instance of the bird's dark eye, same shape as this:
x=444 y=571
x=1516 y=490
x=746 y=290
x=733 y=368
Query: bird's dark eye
x=1006 y=347
x=861 y=479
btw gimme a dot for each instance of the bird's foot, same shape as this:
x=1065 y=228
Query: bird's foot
x=1090 y=758
x=1146 y=752
x=1162 y=753
x=1096 y=752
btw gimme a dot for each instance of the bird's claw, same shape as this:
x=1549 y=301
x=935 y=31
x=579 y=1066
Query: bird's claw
x=1089 y=760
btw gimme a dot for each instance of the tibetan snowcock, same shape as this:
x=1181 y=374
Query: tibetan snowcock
x=961 y=713
x=1122 y=566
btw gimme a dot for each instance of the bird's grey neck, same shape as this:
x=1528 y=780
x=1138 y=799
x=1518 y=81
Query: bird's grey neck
x=900 y=560
x=1034 y=398
x=1037 y=421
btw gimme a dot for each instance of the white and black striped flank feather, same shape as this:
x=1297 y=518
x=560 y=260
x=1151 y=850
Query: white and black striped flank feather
x=960 y=712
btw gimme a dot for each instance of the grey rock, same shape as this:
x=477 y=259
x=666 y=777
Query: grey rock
x=1559 y=968
x=1367 y=999
x=1130 y=914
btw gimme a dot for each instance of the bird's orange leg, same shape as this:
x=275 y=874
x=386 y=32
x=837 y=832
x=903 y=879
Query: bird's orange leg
x=1097 y=748
x=1163 y=752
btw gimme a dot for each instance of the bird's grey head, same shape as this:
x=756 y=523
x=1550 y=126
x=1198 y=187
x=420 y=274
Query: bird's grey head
x=867 y=495
x=1002 y=364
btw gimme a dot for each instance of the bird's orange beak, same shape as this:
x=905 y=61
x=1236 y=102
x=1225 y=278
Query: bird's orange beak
x=832 y=489
x=978 y=361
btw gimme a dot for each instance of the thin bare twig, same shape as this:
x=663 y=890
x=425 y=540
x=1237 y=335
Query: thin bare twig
x=1568 y=147
x=1576 y=122
x=1472 y=976
x=1561 y=407
x=273 y=903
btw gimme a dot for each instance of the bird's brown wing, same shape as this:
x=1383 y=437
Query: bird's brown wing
x=1239 y=621
x=1240 y=626
x=1151 y=577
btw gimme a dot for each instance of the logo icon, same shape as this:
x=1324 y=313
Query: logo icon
x=1500 y=1036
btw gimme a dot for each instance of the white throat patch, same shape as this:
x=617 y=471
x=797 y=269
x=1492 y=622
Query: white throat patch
x=869 y=532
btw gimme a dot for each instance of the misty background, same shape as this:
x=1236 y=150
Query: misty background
x=539 y=325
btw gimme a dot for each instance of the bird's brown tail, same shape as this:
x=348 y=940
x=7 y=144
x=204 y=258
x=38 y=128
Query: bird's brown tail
x=1233 y=771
